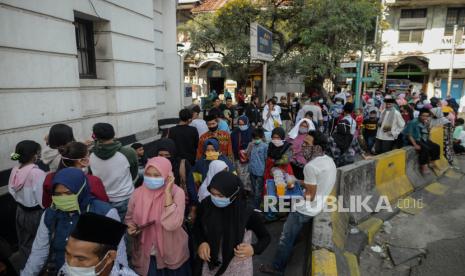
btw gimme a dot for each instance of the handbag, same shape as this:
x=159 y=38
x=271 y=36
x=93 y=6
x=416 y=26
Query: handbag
x=243 y=156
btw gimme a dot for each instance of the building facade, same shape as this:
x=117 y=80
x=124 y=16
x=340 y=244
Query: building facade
x=417 y=45
x=80 y=62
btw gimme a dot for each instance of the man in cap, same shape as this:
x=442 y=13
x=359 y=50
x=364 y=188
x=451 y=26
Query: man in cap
x=91 y=247
x=390 y=124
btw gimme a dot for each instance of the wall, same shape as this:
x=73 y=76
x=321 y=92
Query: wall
x=39 y=79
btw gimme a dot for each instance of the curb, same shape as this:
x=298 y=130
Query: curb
x=336 y=250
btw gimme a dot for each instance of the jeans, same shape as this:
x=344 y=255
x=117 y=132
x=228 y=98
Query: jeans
x=370 y=140
x=291 y=229
x=257 y=183
x=121 y=207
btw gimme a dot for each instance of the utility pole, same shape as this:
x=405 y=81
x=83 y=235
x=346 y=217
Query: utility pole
x=265 y=68
x=451 y=68
x=358 y=82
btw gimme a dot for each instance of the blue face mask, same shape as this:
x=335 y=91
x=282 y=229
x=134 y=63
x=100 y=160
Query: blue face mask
x=153 y=183
x=244 y=127
x=222 y=202
x=303 y=130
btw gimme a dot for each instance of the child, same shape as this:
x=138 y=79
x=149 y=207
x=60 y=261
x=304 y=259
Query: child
x=257 y=152
x=278 y=165
x=25 y=185
x=369 y=129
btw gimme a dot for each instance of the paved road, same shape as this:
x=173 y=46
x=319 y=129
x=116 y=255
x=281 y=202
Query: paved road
x=297 y=260
x=439 y=230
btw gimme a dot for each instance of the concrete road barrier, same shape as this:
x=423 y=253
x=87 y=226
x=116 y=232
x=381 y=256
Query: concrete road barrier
x=417 y=179
x=437 y=136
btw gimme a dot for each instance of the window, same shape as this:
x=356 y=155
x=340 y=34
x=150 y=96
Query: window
x=411 y=36
x=415 y=13
x=455 y=16
x=85 y=48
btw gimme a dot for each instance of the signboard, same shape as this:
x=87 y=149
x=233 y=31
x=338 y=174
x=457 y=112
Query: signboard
x=348 y=64
x=348 y=75
x=260 y=42
x=375 y=72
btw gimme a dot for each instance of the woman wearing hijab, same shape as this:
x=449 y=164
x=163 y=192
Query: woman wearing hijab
x=215 y=167
x=438 y=120
x=296 y=138
x=224 y=229
x=240 y=138
x=71 y=197
x=279 y=155
x=155 y=217
x=210 y=153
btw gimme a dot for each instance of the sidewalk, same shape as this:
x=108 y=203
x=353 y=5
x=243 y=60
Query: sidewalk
x=427 y=241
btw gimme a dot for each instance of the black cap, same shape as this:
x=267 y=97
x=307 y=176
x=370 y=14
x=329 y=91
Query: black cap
x=103 y=131
x=99 y=229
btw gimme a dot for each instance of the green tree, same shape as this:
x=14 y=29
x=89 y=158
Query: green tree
x=310 y=37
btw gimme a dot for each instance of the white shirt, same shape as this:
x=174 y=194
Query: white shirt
x=200 y=125
x=321 y=172
x=268 y=123
x=396 y=127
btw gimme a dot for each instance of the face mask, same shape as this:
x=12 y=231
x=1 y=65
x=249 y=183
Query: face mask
x=153 y=183
x=243 y=128
x=258 y=141
x=222 y=202
x=320 y=101
x=212 y=155
x=213 y=129
x=83 y=271
x=68 y=203
x=338 y=103
x=303 y=130
x=378 y=97
x=277 y=143
x=420 y=106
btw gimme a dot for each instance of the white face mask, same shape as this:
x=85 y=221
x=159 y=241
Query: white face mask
x=83 y=271
x=277 y=143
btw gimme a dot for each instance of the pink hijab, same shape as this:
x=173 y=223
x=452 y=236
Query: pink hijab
x=149 y=207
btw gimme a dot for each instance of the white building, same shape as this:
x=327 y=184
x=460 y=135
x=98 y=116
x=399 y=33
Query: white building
x=80 y=62
x=418 y=43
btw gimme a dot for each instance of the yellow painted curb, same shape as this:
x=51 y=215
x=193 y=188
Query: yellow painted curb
x=352 y=263
x=323 y=263
x=453 y=174
x=370 y=227
x=437 y=136
x=391 y=178
x=340 y=223
x=436 y=188
x=410 y=205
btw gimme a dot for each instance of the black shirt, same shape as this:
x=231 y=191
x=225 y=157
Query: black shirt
x=370 y=127
x=186 y=139
x=285 y=109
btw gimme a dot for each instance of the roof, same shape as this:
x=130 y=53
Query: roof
x=209 y=6
x=213 y=5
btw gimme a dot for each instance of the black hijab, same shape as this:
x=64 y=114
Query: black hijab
x=275 y=152
x=226 y=225
x=166 y=144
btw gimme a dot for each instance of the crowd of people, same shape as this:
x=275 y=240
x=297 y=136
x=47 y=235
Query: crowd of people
x=193 y=205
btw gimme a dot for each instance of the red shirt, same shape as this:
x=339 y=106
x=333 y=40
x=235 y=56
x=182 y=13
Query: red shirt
x=96 y=189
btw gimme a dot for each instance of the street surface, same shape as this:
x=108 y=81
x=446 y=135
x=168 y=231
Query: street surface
x=432 y=242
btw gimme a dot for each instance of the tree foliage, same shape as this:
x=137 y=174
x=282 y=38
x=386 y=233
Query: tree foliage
x=310 y=37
